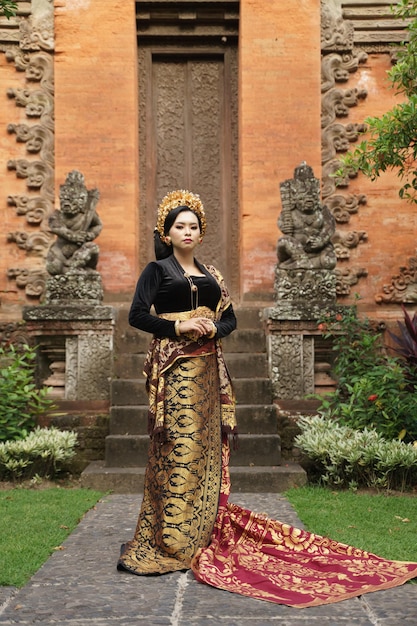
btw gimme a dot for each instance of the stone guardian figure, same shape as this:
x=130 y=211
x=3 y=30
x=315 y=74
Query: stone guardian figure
x=76 y=225
x=306 y=224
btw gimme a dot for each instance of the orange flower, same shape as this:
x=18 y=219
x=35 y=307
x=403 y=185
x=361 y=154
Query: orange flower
x=322 y=327
x=372 y=397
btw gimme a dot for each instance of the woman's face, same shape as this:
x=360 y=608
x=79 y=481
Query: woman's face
x=185 y=231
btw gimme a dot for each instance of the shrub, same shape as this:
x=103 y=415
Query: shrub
x=373 y=389
x=345 y=457
x=405 y=344
x=44 y=452
x=21 y=402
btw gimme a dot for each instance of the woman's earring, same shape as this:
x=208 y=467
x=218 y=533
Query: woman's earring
x=168 y=241
x=201 y=240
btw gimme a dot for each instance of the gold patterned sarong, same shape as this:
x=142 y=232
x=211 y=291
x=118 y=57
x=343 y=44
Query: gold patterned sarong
x=182 y=480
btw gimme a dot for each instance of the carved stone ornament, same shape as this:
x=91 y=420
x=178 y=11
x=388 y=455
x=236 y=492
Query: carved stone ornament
x=346 y=278
x=339 y=61
x=14 y=333
x=74 y=287
x=30 y=49
x=403 y=286
x=336 y=33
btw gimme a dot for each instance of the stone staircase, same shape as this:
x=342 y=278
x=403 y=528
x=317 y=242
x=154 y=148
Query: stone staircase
x=255 y=466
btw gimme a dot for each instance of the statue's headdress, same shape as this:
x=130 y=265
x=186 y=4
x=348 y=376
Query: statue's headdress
x=176 y=199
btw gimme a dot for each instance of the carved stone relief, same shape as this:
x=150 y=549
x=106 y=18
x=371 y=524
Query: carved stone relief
x=339 y=60
x=403 y=286
x=31 y=54
x=292 y=373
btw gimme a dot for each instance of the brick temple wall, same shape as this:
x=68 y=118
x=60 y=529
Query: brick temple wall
x=96 y=131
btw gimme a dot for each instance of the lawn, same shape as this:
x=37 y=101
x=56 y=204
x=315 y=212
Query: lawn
x=383 y=524
x=34 y=523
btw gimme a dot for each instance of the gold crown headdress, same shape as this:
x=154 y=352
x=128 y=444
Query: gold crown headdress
x=178 y=198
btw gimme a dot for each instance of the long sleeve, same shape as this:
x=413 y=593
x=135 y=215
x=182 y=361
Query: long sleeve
x=146 y=291
x=227 y=323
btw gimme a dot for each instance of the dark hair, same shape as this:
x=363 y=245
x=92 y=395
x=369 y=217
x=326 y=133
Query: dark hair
x=162 y=250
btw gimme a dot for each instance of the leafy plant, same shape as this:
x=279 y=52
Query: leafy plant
x=405 y=344
x=44 y=452
x=346 y=457
x=356 y=342
x=373 y=389
x=392 y=138
x=8 y=8
x=21 y=402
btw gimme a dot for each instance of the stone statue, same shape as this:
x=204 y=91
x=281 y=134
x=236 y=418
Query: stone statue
x=76 y=225
x=306 y=224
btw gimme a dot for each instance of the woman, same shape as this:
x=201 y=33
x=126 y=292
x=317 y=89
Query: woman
x=186 y=520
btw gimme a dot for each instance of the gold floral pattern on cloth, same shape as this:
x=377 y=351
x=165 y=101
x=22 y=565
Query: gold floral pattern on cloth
x=262 y=558
x=183 y=476
x=163 y=354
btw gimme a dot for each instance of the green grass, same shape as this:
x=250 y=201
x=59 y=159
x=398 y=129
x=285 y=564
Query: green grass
x=34 y=523
x=383 y=524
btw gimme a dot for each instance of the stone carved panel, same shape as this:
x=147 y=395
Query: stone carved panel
x=292 y=372
x=94 y=366
x=32 y=55
x=71 y=368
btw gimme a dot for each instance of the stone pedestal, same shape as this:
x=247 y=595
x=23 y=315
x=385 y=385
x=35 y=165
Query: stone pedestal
x=75 y=343
x=299 y=357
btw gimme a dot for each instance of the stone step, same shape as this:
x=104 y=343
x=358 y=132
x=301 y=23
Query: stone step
x=240 y=365
x=129 y=420
x=244 y=479
x=248 y=340
x=253 y=390
x=132 y=450
x=128 y=392
x=243 y=365
x=133 y=420
x=248 y=391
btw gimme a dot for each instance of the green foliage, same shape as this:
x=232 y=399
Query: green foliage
x=8 y=8
x=345 y=457
x=379 y=523
x=43 y=453
x=406 y=344
x=373 y=389
x=34 y=523
x=391 y=141
x=356 y=342
x=21 y=402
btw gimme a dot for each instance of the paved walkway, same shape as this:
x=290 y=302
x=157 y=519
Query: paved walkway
x=80 y=586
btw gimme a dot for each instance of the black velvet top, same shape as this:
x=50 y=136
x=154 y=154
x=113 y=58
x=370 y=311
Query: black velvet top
x=163 y=285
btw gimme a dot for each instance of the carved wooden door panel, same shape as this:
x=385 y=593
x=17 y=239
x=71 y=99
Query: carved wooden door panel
x=188 y=140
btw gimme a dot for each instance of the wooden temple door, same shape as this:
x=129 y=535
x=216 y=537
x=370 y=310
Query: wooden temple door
x=188 y=135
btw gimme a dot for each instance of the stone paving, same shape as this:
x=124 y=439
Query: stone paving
x=80 y=586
